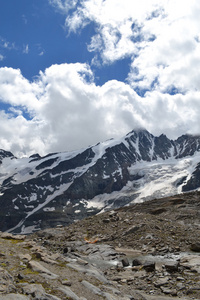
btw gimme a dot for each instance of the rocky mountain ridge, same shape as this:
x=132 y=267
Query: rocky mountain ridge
x=60 y=188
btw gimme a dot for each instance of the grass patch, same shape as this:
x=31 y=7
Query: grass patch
x=3 y=265
x=29 y=271
x=15 y=241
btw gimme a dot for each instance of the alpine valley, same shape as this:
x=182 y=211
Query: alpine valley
x=60 y=188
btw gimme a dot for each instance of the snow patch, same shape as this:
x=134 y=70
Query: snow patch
x=49 y=209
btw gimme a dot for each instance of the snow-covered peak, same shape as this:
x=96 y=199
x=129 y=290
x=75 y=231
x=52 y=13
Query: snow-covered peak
x=63 y=187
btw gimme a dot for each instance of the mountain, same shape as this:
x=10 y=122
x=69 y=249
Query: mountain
x=60 y=188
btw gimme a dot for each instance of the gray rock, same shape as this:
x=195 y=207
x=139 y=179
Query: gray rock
x=14 y=297
x=92 y=288
x=195 y=247
x=149 y=266
x=191 y=262
x=106 y=220
x=97 y=291
x=25 y=257
x=66 y=282
x=68 y=292
x=37 y=267
x=162 y=297
x=172 y=266
x=89 y=270
x=180 y=286
x=161 y=281
x=125 y=262
x=35 y=290
x=136 y=262
x=50 y=297
x=38 y=292
x=6 y=282
x=168 y=291
x=7 y=235
x=133 y=229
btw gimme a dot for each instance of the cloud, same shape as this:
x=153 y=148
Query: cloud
x=69 y=111
x=16 y=90
x=6 y=44
x=26 y=49
x=63 y=5
x=161 y=37
x=1 y=57
x=41 y=53
x=24 y=18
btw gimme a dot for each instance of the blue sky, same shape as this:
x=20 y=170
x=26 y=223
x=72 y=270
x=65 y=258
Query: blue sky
x=33 y=38
x=76 y=72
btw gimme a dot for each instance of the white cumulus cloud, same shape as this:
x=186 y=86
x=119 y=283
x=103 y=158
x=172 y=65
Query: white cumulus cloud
x=69 y=111
x=161 y=37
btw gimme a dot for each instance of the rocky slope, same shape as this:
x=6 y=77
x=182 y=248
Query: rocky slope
x=147 y=251
x=41 y=192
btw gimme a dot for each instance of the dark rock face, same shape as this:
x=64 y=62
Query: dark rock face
x=194 y=182
x=4 y=154
x=62 y=187
x=187 y=145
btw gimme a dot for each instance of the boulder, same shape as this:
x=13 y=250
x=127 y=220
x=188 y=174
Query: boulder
x=35 y=290
x=38 y=292
x=136 y=262
x=37 y=267
x=172 y=266
x=161 y=281
x=125 y=262
x=195 y=247
x=168 y=291
x=6 y=282
x=149 y=266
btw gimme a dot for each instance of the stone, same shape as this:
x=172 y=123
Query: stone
x=180 y=286
x=20 y=277
x=66 y=282
x=168 y=291
x=180 y=278
x=89 y=270
x=136 y=262
x=195 y=247
x=133 y=229
x=82 y=261
x=6 y=282
x=13 y=297
x=106 y=220
x=161 y=281
x=38 y=292
x=35 y=290
x=7 y=235
x=149 y=266
x=37 y=267
x=125 y=262
x=25 y=257
x=68 y=292
x=66 y=250
x=172 y=266
x=92 y=288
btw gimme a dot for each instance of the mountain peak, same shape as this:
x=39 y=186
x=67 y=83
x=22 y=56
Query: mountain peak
x=59 y=188
x=139 y=130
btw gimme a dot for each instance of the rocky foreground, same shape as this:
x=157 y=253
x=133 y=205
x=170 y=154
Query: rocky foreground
x=148 y=251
